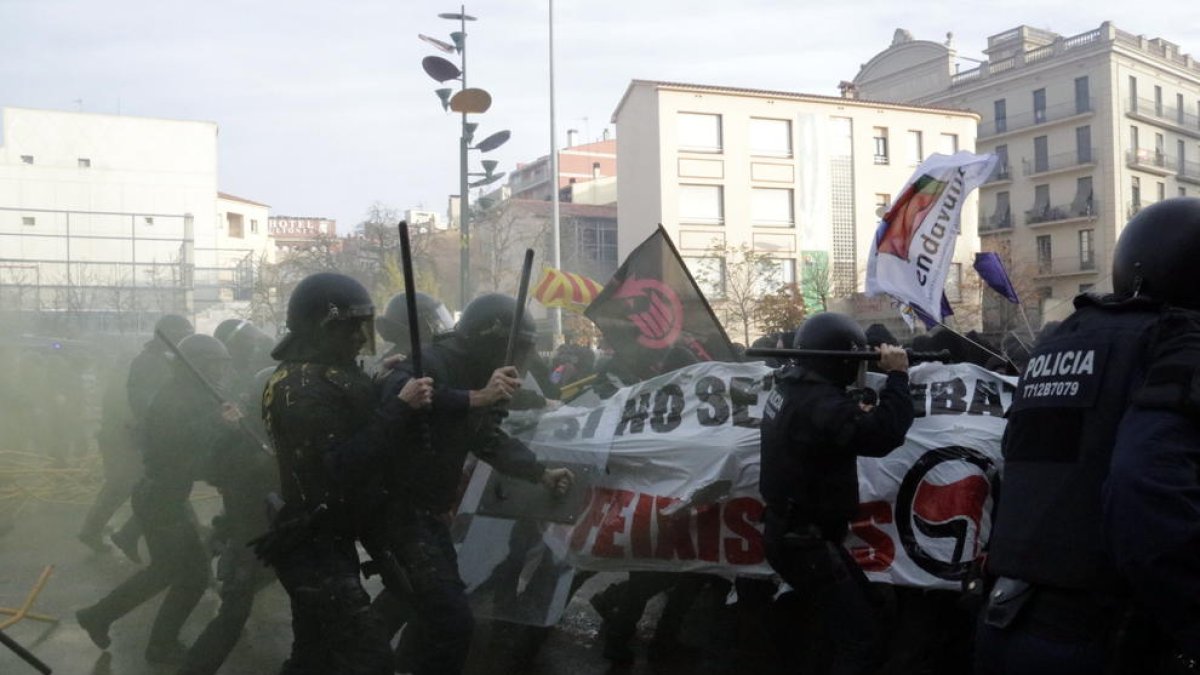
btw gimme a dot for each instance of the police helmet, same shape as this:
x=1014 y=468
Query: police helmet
x=319 y=303
x=831 y=331
x=207 y=355
x=174 y=327
x=487 y=320
x=247 y=345
x=434 y=319
x=227 y=328
x=1157 y=252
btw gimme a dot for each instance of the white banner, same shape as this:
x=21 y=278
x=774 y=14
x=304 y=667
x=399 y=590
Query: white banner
x=914 y=244
x=679 y=488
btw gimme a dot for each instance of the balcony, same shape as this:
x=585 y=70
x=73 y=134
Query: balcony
x=1163 y=115
x=1188 y=172
x=1001 y=174
x=1079 y=211
x=996 y=222
x=1064 y=161
x=1050 y=115
x=1066 y=266
x=1152 y=161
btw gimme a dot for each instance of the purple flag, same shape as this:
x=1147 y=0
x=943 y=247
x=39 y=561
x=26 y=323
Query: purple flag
x=991 y=270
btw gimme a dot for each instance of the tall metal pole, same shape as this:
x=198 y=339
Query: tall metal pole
x=464 y=201
x=557 y=312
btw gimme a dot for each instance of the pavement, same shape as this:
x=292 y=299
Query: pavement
x=43 y=533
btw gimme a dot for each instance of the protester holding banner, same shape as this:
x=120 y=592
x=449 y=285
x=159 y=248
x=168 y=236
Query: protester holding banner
x=1098 y=524
x=813 y=430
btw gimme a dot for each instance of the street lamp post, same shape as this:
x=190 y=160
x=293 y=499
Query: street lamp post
x=466 y=101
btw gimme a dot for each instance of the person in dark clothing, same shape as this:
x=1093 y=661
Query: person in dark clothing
x=182 y=428
x=245 y=475
x=330 y=435
x=121 y=460
x=392 y=326
x=812 y=433
x=470 y=380
x=1096 y=545
x=148 y=372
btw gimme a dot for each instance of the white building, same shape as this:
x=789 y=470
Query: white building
x=115 y=215
x=1089 y=129
x=798 y=176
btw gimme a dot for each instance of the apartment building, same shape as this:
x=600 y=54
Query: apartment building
x=799 y=177
x=1089 y=128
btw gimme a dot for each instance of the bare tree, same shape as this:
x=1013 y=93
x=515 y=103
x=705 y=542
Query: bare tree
x=817 y=281
x=504 y=231
x=744 y=276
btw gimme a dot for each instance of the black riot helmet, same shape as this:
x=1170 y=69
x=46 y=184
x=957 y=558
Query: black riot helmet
x=248 y=346
x=207 y=355
x=1157 y=253
x=227 y=328
x=486 y=322
x=433 y=316
x=174 y=327
x=327 y=315
x=835 y=332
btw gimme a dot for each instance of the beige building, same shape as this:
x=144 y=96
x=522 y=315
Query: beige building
x=803 y=178
x=1089 y=128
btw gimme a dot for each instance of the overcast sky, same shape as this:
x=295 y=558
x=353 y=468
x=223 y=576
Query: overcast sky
x=323 y=107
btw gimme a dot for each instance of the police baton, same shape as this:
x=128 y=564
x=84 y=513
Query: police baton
x=212 y=391
x=514 y=331
x=25 y=654
x=913 y=357
x=414 y=329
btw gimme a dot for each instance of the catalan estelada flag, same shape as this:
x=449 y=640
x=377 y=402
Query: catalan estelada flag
x=570 y=291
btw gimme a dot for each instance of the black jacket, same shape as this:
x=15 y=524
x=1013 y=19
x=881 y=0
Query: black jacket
x=811 y=436
x=432 y=478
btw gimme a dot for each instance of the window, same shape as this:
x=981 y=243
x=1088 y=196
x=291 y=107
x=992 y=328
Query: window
x=1162 y=191
x=1087 y=251
x=948 y=144
x=882 y=203
x=253 y=226
x=709 y=273
x=1044 y=254
x=915 y=151
x=1181 y=151
x=1160 y=151
x=234 y=222
x=1158 y=106
x=1179 y=113
x=1002 y=216
x=1083 y=205
x=1002 y=168
x=1134 y=145
x=771 y=206
x=778 y=273
x=85 y=163
x=881 y=145
x=1135 y=193
x=1182 y=192
x=953 y=287
x=1039 y=106
x=1083 y=101
x=1000 y=112
x=29 y=221
x=699 y=132
x=148 y=220
x=770 y=137
x=1041 y=204
x=1041 y=154
x=27 y=159
x=1083 y=145
x=1133 y=96
x=701 y=204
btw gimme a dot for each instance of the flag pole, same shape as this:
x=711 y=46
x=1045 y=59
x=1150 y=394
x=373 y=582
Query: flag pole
x=1028 y=326
x=964 y=337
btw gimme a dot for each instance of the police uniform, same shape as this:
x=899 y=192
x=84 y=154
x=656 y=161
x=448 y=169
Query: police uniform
x=417 y=529
x=813 y=431
x=182 y=427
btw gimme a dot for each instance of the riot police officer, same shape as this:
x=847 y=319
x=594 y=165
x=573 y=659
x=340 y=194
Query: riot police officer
x=182 y=428
x=813 y=431
x=328 y=432
x=432 y=315
x=1097 y=523
x=470 y=380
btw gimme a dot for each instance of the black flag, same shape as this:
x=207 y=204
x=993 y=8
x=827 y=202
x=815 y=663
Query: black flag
x=654 y=315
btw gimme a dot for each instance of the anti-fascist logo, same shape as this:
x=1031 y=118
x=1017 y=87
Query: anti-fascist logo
x=655 y=309
x=944 y=509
